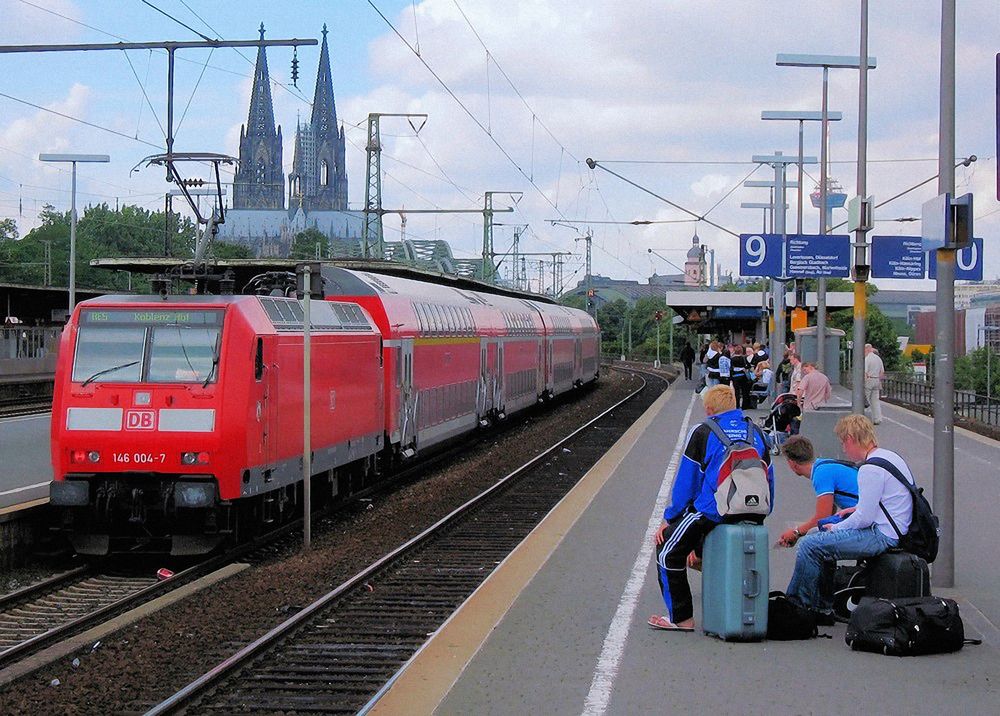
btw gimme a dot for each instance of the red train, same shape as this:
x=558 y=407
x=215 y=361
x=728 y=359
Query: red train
x=177 y=420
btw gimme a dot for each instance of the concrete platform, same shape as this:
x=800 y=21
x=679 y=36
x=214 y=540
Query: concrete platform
x=25 y=464
x=560 y=627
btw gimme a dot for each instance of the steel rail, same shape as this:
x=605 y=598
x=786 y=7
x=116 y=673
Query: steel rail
x=197 y=687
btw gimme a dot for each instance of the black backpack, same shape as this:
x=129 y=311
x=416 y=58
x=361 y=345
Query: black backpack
x=907 y=627
x=922 y=537
x=787 y=621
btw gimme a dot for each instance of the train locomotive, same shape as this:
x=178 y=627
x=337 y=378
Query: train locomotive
x=177 y=419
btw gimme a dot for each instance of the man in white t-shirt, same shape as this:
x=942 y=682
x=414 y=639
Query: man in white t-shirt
x=874 y=372
x=866 y=530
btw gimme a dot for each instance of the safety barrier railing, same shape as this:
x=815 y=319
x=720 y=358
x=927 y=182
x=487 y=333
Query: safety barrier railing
x=28 y=341
x=969 y=405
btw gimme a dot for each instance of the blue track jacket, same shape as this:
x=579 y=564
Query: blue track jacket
x=702 y=459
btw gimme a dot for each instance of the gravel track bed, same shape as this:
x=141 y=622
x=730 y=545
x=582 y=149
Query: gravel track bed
x=139 y=666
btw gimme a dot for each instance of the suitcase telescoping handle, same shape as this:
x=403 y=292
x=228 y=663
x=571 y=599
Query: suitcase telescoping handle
x=751 y=585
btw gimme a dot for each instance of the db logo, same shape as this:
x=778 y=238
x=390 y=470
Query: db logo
x=140 y=419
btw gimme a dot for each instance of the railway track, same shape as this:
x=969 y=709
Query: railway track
x=339 y=653
x=50 y=611
x=18 y=408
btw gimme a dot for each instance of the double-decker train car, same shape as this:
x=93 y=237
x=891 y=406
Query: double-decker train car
x=177 y=420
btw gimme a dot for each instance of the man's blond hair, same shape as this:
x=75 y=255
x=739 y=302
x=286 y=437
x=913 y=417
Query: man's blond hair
x=857 y=427
x=719 y=399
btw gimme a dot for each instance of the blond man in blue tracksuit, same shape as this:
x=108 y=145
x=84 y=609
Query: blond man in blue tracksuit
x=692 y=511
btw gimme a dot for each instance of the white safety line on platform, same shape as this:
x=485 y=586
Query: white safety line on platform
x=965 y=453
x=23 y=489
x=614 y=642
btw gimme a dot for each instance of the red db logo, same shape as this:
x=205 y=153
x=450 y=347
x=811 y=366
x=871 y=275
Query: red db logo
x=140 y=420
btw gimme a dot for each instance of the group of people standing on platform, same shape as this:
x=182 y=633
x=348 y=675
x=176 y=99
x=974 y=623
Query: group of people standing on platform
x=863 y=506
x=745 y=366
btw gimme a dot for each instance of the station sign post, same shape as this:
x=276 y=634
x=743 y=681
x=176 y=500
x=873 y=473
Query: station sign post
x=808 y=255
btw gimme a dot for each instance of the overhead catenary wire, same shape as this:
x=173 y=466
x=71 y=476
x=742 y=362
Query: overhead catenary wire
x=464 y=107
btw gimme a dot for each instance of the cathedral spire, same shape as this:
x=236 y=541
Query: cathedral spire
x=324 y=110
x=261 y=120
x=327 y=182
x=259 y=182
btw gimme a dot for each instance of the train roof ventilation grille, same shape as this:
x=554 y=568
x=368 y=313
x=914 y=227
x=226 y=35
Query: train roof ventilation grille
x=286 y=314
x=378 y=283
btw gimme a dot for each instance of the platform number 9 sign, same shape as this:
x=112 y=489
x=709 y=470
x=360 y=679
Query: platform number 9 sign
x=760 y=255
x=756 y=250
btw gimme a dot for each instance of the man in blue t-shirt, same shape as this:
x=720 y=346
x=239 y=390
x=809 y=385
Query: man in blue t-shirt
x=835 y=484
x=692 y=512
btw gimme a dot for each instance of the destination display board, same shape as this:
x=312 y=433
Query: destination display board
x=808 y=255
x=118 y=317
x=898 y=257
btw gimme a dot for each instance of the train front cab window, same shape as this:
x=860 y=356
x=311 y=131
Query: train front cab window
x=148 y=345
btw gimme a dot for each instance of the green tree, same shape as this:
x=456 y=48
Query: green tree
x=879 y=331
x=307 y=243
x=227 y=250
x=8 y=229
x=972 y=370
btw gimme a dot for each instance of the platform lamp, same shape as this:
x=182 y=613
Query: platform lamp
x=73 y=159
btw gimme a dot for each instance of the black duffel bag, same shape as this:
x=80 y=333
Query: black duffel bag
x=907 y=627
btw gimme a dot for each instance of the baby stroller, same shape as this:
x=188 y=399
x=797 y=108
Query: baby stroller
x=782 y=420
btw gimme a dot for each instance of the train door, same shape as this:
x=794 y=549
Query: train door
x=485 y=402
x=500 y=382
x=407 y=395
x=272 y=408
x=550 y=366
x=578 y=360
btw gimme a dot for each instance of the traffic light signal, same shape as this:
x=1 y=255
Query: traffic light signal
x=658 y=315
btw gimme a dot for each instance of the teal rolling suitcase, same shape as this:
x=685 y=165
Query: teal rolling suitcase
x=734 y=584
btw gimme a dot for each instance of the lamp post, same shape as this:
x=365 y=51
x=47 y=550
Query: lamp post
x=780 y=162
x=825 y=117
x=73 y=159
x=828 y=62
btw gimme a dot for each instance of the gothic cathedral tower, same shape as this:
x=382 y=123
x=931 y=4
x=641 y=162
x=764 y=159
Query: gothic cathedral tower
x=319 y=178
x=260 y=181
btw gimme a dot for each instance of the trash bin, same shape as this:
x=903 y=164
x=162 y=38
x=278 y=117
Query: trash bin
x=818 y=425
x=805 y=346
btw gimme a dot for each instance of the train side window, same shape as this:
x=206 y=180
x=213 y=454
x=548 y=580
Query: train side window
x=258 y=360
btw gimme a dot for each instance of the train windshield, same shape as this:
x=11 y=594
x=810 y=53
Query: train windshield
x=148 y=345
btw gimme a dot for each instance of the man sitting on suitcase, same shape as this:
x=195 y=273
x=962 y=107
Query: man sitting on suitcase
x=868 y=530
x=694 y=511
x=835 y=484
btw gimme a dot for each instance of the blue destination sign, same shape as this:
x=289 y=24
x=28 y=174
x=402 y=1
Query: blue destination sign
x=968 y=262
x=809 y=255
x=898 y=257
x=737 y=312
x=816 y=255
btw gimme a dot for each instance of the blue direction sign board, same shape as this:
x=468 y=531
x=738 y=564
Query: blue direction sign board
x=819 y=256
x=898 y=257
x=809 y=255
x=760 y=254
x=968 y=262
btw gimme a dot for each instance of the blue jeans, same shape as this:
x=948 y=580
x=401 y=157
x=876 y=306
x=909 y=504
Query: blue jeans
x=816 y=550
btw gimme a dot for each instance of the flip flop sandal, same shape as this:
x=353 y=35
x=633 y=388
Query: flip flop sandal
x=664 y=624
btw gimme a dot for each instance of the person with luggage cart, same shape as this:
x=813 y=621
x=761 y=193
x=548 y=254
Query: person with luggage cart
x=695 y=506
x=878 y=522
x=834 y=481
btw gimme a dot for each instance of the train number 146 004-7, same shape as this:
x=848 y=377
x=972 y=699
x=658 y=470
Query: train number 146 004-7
x=139 y=458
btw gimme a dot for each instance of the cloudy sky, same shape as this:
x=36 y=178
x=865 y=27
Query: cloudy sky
x=519 y=94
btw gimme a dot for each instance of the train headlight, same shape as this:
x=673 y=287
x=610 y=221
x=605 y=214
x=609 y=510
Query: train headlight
x=84 y=456
x=94 y=456
x=194 y=458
